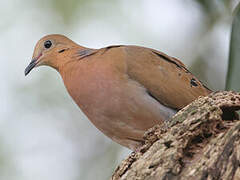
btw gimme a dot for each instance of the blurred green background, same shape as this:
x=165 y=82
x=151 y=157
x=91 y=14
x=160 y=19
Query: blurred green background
x=43 y=134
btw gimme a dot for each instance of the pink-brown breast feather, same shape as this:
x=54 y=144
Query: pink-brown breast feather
x=100 y=88
x=117 y=105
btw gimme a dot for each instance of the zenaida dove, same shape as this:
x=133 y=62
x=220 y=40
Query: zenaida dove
x=123 y=90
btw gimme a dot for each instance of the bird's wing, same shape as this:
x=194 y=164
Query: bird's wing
x=165 y=78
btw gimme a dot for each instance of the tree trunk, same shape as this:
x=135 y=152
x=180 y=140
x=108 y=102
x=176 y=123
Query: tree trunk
x=202 y=141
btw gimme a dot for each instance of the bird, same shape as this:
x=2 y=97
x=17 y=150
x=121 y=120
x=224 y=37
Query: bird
x=123 y=89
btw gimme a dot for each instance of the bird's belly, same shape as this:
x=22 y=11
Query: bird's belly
x=129 y=115
x=122 y=111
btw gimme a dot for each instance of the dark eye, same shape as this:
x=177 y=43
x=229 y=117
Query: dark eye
x=47 y=44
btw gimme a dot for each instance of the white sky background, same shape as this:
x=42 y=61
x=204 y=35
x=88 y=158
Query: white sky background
x=43 y=135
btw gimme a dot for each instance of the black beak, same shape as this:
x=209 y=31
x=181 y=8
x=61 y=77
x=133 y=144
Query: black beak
x=32 y=64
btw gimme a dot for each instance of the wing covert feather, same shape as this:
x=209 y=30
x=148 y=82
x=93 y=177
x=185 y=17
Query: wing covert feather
x=166 y=78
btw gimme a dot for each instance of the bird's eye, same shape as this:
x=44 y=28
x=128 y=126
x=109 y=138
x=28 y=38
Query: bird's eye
x=47 y=44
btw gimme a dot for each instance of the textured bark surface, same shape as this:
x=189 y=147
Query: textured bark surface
x=202 y=141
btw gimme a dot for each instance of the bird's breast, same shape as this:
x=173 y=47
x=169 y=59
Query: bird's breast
x=118 y=106
x=93 y=87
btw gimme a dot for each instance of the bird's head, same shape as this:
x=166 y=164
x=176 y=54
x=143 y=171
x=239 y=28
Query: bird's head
x=48 y=49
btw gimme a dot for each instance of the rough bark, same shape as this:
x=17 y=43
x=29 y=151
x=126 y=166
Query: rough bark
x=202 y=141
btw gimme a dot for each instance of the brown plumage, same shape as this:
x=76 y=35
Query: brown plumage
x=123 y=90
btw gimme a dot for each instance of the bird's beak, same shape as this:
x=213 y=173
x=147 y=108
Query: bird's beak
x=32 y=64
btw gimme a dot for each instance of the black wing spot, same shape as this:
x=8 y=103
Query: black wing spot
x=113 y=46
x=193 y=82
x=61 y=51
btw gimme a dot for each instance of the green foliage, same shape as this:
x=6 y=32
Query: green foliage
x=233 y=76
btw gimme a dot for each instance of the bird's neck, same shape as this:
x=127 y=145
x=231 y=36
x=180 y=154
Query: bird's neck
x=69 y=57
